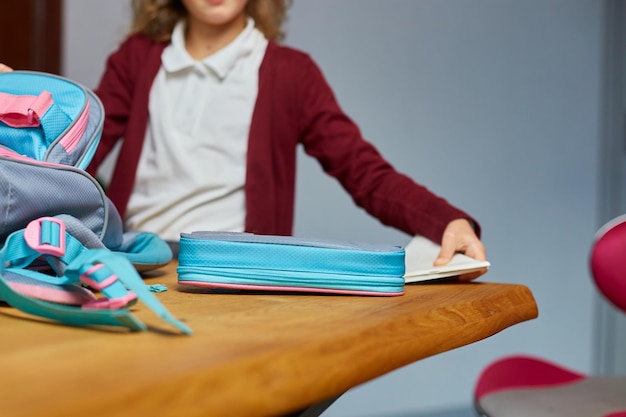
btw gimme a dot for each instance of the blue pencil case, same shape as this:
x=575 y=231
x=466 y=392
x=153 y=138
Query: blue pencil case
x=246 y=261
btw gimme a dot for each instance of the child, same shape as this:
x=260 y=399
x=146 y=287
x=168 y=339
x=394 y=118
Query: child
x=210 y=109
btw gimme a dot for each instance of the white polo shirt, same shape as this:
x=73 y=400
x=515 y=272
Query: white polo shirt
x=193 y=165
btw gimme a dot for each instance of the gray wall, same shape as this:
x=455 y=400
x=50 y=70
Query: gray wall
x=494 y=104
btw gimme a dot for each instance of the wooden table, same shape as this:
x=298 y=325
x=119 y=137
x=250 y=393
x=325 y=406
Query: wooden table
x=250 y=354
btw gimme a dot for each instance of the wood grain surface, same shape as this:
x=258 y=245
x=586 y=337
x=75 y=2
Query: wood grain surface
x=250 y=354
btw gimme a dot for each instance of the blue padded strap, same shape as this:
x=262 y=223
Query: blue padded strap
x=17 y=253
x=145 y=250
x=67 y=314
x=127 y=274
x=62 y=313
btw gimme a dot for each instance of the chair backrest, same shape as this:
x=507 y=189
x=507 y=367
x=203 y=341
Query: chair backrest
x=608 y=261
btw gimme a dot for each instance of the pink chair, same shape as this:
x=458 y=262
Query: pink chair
x=525 y=386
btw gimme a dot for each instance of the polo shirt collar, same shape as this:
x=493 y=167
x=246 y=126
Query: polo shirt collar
x=175 y=57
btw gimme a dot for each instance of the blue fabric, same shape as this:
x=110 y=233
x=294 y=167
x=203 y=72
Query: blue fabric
x=282 y=261
x=53 y=182
x=69 y=101
x=62 y=186
x=16 y=255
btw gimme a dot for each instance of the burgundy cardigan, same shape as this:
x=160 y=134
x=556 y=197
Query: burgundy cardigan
x=295 y=105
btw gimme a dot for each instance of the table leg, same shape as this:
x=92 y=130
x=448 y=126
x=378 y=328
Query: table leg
x=315 y=410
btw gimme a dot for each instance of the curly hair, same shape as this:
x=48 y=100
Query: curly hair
x=157 y=18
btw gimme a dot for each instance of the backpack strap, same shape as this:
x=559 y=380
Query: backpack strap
x=107 y=272
x=145 y=250
x=24 y=110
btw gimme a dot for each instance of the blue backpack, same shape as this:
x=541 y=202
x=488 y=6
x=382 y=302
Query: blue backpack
x=65 y=255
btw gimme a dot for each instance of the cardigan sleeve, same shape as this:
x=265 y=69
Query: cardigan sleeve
x=330 y=136
x=115 y=90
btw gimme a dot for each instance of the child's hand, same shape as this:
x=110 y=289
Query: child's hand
x=459 y=236
x=5 y=68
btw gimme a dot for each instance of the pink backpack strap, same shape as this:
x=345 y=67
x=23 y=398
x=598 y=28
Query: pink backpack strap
x=23 y=110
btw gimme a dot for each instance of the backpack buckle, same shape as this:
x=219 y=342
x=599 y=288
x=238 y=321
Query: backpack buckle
x=46 y=235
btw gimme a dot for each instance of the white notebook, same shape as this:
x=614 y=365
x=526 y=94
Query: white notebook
x=420 y=253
